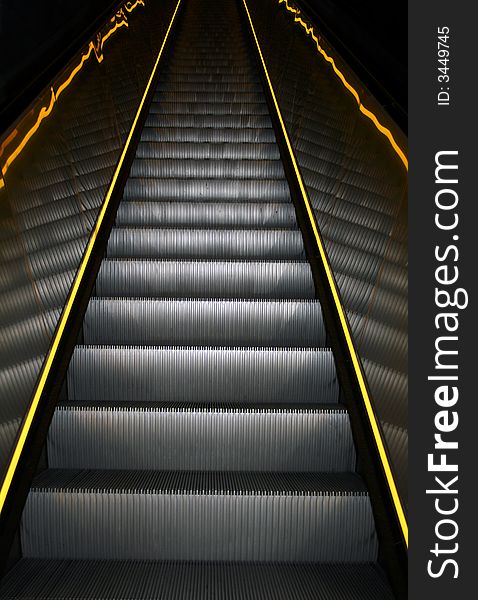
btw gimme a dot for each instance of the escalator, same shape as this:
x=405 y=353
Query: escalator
x=201 y=449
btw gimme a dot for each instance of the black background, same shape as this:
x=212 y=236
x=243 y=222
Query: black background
x=35 y=33
x=37 y=38
x=375 y=34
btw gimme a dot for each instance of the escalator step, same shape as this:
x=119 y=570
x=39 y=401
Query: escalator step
x=208 y=120
x=213 y=78
x=204 y=214
x=178 y=374
x=210 y=96
x=210 y=108
x=258 y=190
x=145 y=580
x=101 y=436
x=196 y=322
x=206 y=134
x=212 y=87
x=275 y=244
x=205 y=279
x=208 y=150
x=188 y=515
x=207 y=169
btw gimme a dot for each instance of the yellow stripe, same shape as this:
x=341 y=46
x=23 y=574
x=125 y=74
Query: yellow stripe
x=358 y=371
x=309 y=30
x=74 y=290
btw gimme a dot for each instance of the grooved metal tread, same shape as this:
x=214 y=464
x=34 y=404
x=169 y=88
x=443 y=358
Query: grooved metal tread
x=204 y=407
x=208 y=374
x=205 y=214
x=145 y=242
x=205 y=278
x=222 y=438
x=154 y=580
x=183 y=515
x=198 y=482
x=204 y=322
x=230 y=190
x=194 y=134
x=161 y=150
x=204 y=168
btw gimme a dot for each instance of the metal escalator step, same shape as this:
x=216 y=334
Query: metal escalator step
x=301 y=439
x=213 y=78
x=144 y=580
x=235 y=49
x=209 y=120
x=209 y=108
x=213 y=87
x=202 y=374
x=223 y=97
x=205 y=57
x=206 y=214
x=207 y=150
x=211 y=71
x=189 y=515
x=205 y=243
x=255 y=190
x=197 y=322
x=227 y=135
x=205 y=279
x=185 y=168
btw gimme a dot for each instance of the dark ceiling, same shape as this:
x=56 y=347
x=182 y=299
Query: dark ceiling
x=38 y=37
x=374 y=36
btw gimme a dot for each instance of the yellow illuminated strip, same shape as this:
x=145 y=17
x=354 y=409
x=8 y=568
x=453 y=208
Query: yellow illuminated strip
x=340 y=310
x=309 y=30
x=74 y=290
x=120 y=20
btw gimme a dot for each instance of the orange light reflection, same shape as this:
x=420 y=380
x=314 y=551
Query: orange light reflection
x=309 y=30
x=119 y=20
